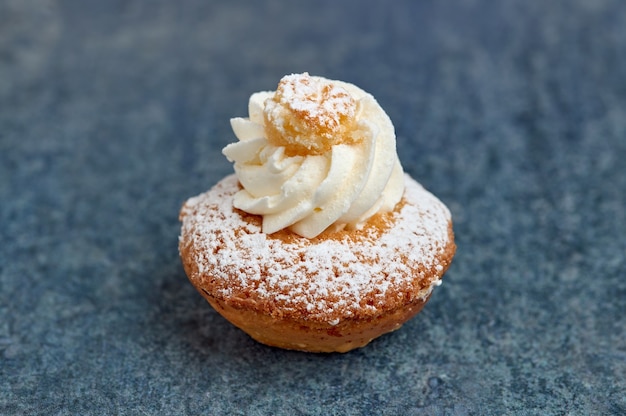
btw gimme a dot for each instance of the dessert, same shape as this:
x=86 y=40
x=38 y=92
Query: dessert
x=319 y=242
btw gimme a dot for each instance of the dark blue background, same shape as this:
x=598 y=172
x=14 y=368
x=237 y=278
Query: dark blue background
x=112 y=113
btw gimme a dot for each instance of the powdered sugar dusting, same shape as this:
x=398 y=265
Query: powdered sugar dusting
x=317 y=98
x=308 y=115
x=320 y=279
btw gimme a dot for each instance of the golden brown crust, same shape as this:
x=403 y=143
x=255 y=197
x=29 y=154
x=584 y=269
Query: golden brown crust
x=331 y=293
x=309 y=115
x=310 y=336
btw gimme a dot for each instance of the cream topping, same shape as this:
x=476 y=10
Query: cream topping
x=314 y=154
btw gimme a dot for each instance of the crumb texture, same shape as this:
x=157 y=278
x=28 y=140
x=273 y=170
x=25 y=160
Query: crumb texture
x=395 y=259
x=309 y=115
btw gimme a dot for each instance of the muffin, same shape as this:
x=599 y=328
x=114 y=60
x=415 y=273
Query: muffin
x=319 y=242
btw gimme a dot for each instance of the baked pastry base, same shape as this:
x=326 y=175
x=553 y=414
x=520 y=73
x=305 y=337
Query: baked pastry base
x=333 y=293
x=311 y=336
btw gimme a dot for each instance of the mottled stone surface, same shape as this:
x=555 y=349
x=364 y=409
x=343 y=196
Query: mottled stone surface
x=112 y=113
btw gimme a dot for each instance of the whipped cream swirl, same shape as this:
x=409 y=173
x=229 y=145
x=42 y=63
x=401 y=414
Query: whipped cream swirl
x=314 y=154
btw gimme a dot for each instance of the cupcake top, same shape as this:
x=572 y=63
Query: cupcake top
x=397 y=258
x=315 y=155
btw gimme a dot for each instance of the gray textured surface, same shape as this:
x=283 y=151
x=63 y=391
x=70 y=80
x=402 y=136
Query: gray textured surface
x=112 y=113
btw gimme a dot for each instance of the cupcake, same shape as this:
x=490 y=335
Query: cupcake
x=319 y=242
